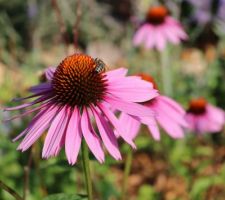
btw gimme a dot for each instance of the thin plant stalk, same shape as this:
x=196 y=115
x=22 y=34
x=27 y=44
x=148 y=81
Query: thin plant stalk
x=127 y=169
x=11 y=191
x=87 y=172
x=166 y=72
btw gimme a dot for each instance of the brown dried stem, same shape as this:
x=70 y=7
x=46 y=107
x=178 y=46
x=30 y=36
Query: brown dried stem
x=10 y=191
x=76 y=24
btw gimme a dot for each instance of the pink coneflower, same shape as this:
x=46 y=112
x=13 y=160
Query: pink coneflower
x=168 y=114
x=203 y=117
x=77 y=92
x=158 y=29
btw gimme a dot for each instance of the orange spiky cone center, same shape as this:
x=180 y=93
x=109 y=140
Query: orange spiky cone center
x=156 y=15
x=197 y=106
x=77 y=81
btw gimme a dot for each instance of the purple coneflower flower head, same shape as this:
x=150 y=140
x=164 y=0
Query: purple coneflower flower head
x=203 y=117
x=78 y=92
x=158 y=29
x=168 y=114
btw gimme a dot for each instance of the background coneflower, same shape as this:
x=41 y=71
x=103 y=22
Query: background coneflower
x=203 y=117
x=168 y=114
x=158 y=29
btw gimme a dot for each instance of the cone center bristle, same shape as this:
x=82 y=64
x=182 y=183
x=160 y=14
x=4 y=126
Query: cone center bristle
x=79 y=81
x=156 y=15
x=197 y=106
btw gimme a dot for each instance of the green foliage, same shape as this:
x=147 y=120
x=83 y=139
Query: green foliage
x=148 y=193
x=65 y=197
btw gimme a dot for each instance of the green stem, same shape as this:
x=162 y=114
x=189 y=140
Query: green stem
x=87 y=173
x=127 y=169
x=10 y=191
x=166 y=73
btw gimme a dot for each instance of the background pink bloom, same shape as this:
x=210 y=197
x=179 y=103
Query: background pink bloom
x=203 y=117
x=77 y=91
x=159 y=29
x=168 y=114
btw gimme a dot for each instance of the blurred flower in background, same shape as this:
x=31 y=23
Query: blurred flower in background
x=206 y=20
x=76 y=91
x=203 y=117
x=206 y=11
x=168 y=114
x=158 y=29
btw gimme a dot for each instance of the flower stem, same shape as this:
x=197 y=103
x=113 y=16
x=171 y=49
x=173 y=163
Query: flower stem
x=127 y=169
x=10 y=191
x=166 y=73
x=87 y=173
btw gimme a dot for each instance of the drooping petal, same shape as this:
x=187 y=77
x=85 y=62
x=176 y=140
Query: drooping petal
x=135 y=94
x=129 y=107
x=37 y=127
x=42 y=87
x=132 y=125
x=116 y=124
x=165 y=109
x=160 y=39
x=107 y=135
x=152 y=125
x=173 y=129
x=140 y=35
x=217 y=114
x=49 y=73
x=171 y=37
x=153 y=128
x=172 y=103
x=25 y=105
x=151 y=38
x=93 y=141
x=73 y=137
x=55 y=133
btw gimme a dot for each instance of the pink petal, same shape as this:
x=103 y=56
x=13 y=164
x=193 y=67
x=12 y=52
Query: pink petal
x=141 y=35
x=170 y=35
x=42 y=87
x=152 y=125
x=107 y=135
x=151 y=38
x=132 y=125
x=91 y=137
x=55 y=133
x=116 y=124
x=170 y=127
x=129 y=107
x=162 y=108
x=116 y=73
x=36 y=128
x=160 y=39
x=172 y=103
x=49 y=73
x=217 y=114
x=135 y=94
x=73 y=137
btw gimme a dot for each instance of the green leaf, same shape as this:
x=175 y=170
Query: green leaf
x=66 y=197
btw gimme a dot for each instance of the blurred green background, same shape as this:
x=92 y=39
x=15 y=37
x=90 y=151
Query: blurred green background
x=30 y=40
